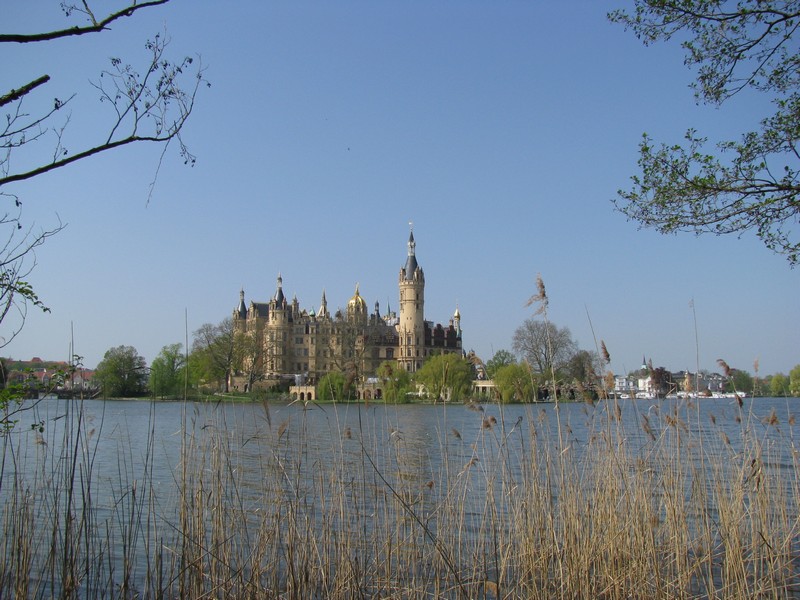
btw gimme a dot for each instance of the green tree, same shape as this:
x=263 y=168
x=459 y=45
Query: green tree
x=169 y=373
x=214 y=353
x=515 y=382
x=501 y=358
x=583 y=368
x=544 y=345
x=749 y=44
x=794 y=381
x=446 y=376
x=122 y=373
x=396 y=382
x=779 y=385
x=740 y=381
x=12 y=393
x=331 y=387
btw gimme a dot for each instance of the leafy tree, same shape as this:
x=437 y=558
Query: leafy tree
x=136 y=104
x=583 y=368
x=501 y=358
x=779 y=385
x=396 y=382
x=168 y=372
x=544 y=345
x=443 y=373
x=515 y=382
x=331 y=387
x=661 y=381
x=753 y=45
x=214 y=352
x=11 y=396
x=122 y=373
x=740 y=381
x=794 y=381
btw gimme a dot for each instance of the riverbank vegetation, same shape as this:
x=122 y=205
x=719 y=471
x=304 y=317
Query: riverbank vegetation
x=658 y=501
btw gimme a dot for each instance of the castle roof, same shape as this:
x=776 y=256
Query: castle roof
x=279 y=297
x=242 y=308
x=357 y=302
x=411 y=261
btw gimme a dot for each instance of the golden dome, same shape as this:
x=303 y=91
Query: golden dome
x=357 y=303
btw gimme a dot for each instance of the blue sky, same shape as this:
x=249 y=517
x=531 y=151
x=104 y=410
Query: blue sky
x=501 y=129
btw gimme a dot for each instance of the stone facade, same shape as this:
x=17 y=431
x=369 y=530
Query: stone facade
x=279 y=340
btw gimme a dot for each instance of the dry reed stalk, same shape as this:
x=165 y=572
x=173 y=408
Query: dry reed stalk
x=537 y=513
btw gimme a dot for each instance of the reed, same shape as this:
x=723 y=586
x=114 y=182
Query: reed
x=512 y=508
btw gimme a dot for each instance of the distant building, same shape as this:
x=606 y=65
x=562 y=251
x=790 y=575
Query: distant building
x=279 y=340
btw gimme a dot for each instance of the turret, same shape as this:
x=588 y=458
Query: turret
x=279 y=298
x=240 y=313
x=411 y=326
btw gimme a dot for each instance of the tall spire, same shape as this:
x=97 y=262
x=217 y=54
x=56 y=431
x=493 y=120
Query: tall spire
x=411 y=261
x=323 y=309
x=242 y=308
x=279 y=297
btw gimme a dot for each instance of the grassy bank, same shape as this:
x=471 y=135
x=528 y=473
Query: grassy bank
x=670 y=508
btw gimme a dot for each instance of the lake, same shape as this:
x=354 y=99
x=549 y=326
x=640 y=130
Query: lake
x=136 y=498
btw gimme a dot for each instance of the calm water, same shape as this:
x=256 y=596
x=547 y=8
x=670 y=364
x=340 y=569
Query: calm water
x=123 y=439
x=119 y=449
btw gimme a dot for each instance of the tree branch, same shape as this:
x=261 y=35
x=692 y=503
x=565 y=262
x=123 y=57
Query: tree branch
x=81 y=155
x=94 y=28
x=15 y=95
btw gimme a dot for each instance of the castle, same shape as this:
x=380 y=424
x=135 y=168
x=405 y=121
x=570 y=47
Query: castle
x=279 y=340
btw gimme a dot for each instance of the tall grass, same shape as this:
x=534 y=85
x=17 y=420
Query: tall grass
x=510 y=507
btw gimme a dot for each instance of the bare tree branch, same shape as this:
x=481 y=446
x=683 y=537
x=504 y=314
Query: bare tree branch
x=95 y=27
x=15 y=95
